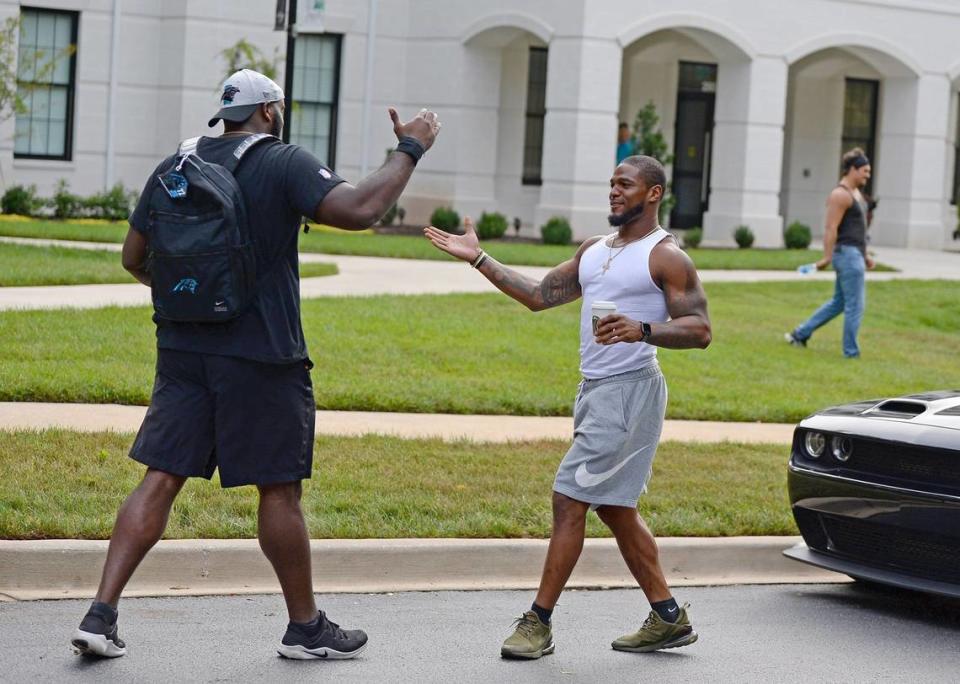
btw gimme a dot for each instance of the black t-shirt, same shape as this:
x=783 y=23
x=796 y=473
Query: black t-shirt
x=280 y=184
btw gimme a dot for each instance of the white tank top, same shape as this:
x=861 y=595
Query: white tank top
x=628 y=284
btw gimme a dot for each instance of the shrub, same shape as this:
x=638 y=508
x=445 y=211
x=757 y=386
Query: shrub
x=556 y=231
x=692 y=237
x=491 y=226
x=744 y=236
x=445 y=218
x=114 y=205
x=19 y=199
x=797 y=236
x=65 y=204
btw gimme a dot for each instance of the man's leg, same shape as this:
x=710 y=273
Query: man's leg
x=533 y=636
x=638 y=548
x=286 y=544
x=826 y=313
x=141 y=520
x=668 y=625
x=566 y=543
x=851 y=278
x=282 y=532
x=140 y=523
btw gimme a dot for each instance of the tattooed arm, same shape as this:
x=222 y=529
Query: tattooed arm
x=689 y=324
x=560 y=286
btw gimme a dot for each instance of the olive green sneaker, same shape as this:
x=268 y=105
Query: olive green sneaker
x=656 y=633
x=531 y=639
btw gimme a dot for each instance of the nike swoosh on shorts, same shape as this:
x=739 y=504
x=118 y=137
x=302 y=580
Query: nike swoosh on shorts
x=585 y=478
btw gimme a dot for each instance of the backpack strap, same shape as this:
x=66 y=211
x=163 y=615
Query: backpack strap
x=233 y=161
x=188 y=146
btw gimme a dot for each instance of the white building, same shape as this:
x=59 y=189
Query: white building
x=757 y=99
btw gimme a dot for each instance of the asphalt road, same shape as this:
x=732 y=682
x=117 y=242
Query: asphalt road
x=786 y=633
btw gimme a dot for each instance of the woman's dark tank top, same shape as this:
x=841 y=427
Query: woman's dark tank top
x=853 y=226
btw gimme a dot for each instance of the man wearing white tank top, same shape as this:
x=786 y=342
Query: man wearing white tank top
x=621 y=402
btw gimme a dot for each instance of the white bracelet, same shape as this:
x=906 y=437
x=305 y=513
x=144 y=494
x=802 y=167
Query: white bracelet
x=476 y=263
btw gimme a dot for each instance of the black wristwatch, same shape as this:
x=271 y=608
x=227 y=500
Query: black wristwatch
x=645 y=328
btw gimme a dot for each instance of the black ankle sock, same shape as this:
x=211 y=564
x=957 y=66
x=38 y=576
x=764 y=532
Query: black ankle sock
x=104 y=611
x=668 y=610
x=542 y=613
x=308 y=626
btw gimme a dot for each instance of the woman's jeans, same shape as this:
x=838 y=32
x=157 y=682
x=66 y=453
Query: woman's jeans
x=849 y=297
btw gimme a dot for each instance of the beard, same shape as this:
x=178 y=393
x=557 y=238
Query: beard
x=617 y=220
x=277 y=127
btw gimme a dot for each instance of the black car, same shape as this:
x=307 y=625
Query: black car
x=875 y=491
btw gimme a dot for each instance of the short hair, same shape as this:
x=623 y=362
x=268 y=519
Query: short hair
x=854 y=158
x=651 y=170
x=623 y=124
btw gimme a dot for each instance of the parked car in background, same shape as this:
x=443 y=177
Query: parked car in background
x=875 y=490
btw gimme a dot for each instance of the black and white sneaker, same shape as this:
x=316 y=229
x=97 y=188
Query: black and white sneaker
x=794 y=341
x=321 y=639
x=97 y=634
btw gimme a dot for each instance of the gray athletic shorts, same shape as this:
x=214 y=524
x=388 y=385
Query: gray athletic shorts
x=616 y=428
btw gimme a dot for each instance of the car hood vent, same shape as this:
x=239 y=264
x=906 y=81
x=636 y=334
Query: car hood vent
x=897 y=408
x=934 y=396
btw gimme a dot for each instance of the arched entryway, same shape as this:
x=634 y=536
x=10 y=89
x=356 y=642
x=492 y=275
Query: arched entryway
x=845 y=92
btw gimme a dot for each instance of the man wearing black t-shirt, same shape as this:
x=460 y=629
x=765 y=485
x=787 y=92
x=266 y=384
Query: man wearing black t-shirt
x=237 y=396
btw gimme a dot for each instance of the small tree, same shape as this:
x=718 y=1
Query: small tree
x=648 y=140
x=11 y=100
x=245 y=55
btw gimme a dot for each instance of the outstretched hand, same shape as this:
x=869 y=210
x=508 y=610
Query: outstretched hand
x=465 y=247
x=425 y=126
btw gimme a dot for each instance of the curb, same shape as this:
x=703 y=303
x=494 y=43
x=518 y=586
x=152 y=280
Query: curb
x=50 y=569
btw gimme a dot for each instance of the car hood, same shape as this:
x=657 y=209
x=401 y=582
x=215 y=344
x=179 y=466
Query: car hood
x=931 y=418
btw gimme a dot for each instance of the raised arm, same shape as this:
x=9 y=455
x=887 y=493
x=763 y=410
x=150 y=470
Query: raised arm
x=689 y=324
x=560 y=286
x=357 y=207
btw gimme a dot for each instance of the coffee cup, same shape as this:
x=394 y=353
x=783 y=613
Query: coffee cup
x=601 y=310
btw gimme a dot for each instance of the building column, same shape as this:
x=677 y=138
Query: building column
x=913 y=159
x=748 y=152
x=580 y=132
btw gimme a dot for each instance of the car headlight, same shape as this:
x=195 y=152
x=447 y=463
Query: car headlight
x=842 y=448
x=814 y=442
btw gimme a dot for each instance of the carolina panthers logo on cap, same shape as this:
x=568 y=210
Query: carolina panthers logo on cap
x=228 y=92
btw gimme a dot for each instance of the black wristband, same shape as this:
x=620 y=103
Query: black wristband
x=412 y=147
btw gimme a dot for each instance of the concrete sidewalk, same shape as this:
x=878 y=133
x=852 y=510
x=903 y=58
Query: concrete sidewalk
x=365 y=276
x=479 y=428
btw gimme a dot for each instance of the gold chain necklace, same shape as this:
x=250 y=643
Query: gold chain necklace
x=612 y=256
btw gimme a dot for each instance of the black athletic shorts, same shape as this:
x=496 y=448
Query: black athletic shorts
x=254 y=421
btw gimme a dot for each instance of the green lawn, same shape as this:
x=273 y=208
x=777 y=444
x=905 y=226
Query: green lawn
x=331 y=241
x=487 y=354
x=22 y=265
x=59 y=484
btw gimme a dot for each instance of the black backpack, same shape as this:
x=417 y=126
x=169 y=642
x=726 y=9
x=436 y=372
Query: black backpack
x=202 y=264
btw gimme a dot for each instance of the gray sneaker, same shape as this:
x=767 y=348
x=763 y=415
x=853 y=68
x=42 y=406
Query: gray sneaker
x=531 y=639
x=656 y=633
